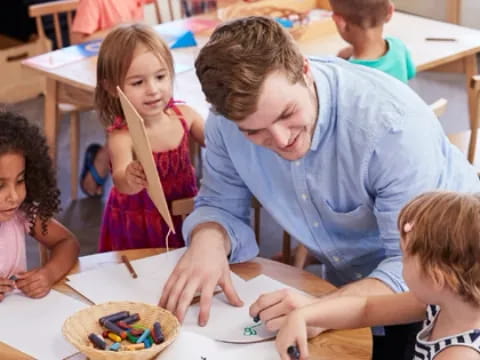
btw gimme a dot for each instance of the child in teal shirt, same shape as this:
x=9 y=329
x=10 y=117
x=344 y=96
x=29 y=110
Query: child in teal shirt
x=360 y=23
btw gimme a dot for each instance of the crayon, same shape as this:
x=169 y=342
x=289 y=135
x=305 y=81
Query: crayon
x=122 y=324
x=129 y=266
x=131 y=347
x=13 y=278
x=293 y=352
x=157 y=334
x=440 y=39
x=97 y=341
x=142 y=337
x=132 y=318
x=114 y=328
x=256 y=318
x=147 y=343
x=114 y=337
x=114 y=347
x=131 y=338
x=114 y=317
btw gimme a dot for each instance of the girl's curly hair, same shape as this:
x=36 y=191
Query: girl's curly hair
x=17 y=135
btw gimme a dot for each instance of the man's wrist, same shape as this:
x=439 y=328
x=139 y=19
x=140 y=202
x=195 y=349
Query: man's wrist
x=214 y=233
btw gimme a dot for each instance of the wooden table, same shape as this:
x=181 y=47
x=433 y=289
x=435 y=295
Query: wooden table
x=77 y=80
x=345 y=344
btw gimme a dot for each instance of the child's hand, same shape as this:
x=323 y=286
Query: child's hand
x=6 y=286
x=35 y=283
x=293 y=332
x=135 y=176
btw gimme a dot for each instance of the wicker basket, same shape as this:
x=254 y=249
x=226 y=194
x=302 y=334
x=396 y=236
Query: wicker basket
x=78 y=326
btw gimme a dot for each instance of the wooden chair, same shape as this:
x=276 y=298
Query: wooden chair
x=54 y=9
x=183 y=207
x=439 y=107
x=475 y=122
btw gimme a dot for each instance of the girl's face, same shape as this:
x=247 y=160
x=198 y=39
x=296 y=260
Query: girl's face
x=148 y=84
x=12 y=184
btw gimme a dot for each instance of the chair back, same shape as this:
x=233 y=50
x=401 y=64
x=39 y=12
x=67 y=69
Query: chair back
x=54 y=9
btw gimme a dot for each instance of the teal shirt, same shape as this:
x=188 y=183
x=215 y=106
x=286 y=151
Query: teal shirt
x=396 y=62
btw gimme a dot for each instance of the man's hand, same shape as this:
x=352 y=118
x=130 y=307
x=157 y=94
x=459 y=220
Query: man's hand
x=203 y=266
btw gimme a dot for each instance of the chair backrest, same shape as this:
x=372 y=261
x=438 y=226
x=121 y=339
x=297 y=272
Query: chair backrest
x=183 y=207
x=439 y=107
x=54 y=8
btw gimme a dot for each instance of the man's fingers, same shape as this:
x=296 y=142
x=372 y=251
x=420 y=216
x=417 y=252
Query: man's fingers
x=175 y=293
x=186 y=298
x=206 y=303
x=230 y=292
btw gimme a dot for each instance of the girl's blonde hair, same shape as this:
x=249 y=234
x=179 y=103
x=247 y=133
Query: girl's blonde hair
x=114 y=59
x=445 y=235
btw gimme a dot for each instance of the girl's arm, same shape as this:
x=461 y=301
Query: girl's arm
x=64 y=249
x=195 y=122
x=127 y=174
x=346 y=312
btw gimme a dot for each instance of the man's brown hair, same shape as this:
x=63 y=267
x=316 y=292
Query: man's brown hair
x=445 y=235
x=240 y=54
x=363 y=13
x=114 y=59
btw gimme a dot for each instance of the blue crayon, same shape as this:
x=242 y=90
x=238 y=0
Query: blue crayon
x=114 y=347
x=293 y=352
x=114 y=317
x=147 y=343
x=132 y=318
x=142 y=337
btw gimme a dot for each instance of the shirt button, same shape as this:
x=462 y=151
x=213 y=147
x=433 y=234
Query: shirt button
x=304 y=196
x=315 y=224
x=358 y=275
x=297 y=163
x=336 y=259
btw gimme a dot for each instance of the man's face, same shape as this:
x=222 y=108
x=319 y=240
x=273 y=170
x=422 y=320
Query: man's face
x=286 y=115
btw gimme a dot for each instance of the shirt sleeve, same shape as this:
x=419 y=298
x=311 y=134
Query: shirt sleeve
x=87 y=17
x=411 y=68
x=404 y=165
x=223 y=197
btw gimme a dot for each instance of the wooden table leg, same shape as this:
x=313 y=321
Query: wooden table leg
x=50 y=119
x=471 y=70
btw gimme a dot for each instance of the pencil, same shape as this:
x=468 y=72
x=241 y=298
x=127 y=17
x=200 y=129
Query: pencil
x=129 y=266
x=440 y=39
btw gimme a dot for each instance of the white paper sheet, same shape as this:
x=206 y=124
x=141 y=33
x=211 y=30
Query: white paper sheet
x=189 y=345
x=234 y=324
x=34 y=326
x=114 y=282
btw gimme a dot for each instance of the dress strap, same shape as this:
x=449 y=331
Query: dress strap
x=172 y=105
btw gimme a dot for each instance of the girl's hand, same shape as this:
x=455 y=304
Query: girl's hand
x=6 y=286
x=293 y=332
x=35 y=283
x=135 y=176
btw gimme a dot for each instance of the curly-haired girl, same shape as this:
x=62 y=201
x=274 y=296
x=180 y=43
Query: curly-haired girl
x=29 y=198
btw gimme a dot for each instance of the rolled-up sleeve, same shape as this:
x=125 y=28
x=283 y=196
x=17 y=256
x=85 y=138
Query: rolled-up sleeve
x=223 y=197
x=404 y=165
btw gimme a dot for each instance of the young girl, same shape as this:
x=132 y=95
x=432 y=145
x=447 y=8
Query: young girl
x=28 y=199
x=441 y=265
x=134 y=57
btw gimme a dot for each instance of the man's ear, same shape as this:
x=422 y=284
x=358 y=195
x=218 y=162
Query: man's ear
x=391 y=10
x=340 y=22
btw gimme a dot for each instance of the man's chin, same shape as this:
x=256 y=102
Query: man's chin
x=292 y=156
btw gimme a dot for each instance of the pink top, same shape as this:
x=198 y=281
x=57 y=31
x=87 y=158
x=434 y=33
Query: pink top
x=96 y=15
x=13 y=258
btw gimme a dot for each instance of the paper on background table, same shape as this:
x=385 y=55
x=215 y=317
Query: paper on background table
x=143 y=152
x=228 y=323
x=34 y=326
x=189 y=345
x=114 y=283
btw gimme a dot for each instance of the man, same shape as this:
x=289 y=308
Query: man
x=331 y=149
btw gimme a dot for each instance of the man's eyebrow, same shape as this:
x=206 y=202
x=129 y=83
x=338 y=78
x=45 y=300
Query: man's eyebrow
x=285 y=111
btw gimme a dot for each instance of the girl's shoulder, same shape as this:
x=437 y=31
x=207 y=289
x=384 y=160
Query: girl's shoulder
x=189 y=114
x=118 y=124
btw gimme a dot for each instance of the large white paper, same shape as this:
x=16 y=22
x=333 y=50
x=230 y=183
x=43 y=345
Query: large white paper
x=115 y=283
x=189 y=345
x=234 y=324
x=34 y=326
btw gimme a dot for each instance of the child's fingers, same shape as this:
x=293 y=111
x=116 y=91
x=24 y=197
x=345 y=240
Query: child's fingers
x=6 y=288
x=7 y=282
x=38 y=292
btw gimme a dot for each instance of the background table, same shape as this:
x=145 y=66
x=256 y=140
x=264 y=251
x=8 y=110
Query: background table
x=332 y=345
